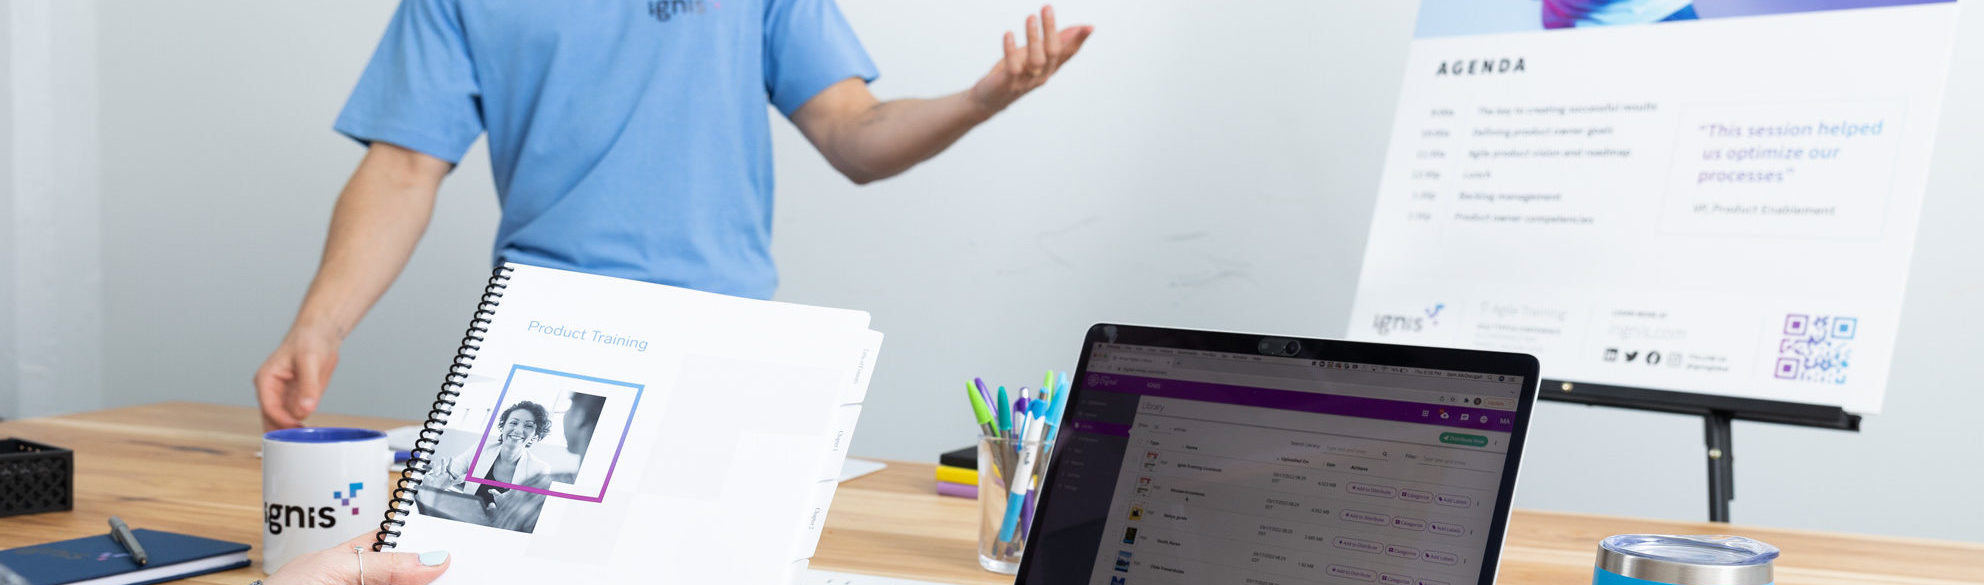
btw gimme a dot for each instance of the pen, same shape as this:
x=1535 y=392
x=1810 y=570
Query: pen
x=1020 y=420
x=980 y=412
x=1046 y=393
x=988 y=425
x=982 y=392
x=1019 y=410
x=121 y=533
x=1005 y=417
x=1026 y=512
x=1022 y=478
x=1054 y=411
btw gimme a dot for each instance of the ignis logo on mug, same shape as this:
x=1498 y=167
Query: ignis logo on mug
x=281 y=516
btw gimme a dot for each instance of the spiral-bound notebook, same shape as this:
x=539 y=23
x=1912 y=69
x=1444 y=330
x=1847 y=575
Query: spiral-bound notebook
x=600 y=430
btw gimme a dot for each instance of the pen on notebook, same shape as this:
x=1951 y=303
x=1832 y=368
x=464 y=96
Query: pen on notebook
x=121 y=532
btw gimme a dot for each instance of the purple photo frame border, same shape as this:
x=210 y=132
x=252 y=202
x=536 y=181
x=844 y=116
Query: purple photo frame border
x=615 y=463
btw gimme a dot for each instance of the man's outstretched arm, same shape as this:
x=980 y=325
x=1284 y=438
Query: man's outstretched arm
x=378 y=219
x=870 y=140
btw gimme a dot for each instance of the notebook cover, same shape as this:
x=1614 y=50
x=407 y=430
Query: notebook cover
x=957 y=475
x=96 y=557
x=957 y=490
x=966 y=458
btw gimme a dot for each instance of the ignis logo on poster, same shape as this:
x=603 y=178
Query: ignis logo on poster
x=1385 y=324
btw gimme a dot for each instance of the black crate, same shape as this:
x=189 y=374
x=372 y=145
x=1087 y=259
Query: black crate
x=35 y=478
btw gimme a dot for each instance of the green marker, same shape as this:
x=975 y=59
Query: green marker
x=980 y=411
x=1047 y=390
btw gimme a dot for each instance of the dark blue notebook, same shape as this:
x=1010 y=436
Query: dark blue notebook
x=97 y=560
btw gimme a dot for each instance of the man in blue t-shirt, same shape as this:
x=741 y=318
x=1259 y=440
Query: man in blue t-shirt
x=627 y=138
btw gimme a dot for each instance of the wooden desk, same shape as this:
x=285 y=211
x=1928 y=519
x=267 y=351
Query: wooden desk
x=192 y=468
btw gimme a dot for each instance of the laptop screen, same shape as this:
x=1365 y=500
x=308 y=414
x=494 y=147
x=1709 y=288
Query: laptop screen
x=1193 y=466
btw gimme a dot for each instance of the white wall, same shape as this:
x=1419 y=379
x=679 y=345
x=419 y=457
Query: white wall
x=10 y=367
x=53 y=331
x=1200 y=165
x=1172 y=174
x=220 y=169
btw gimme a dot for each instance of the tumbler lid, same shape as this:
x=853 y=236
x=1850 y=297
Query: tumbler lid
x=1688 y=560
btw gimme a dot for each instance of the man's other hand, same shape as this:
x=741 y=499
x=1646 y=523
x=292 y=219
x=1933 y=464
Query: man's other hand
x=1027 y=67
x=292 y=380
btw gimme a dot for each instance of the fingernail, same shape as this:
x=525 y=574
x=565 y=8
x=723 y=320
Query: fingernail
x=433 y=558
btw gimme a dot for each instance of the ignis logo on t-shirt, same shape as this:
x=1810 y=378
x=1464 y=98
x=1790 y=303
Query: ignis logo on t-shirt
x=283 y=516
x=666 y=10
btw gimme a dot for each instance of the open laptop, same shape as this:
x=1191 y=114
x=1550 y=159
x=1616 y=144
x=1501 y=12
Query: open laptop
x=1201 y=458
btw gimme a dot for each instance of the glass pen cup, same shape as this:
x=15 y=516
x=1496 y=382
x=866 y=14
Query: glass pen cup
x=1002 y=527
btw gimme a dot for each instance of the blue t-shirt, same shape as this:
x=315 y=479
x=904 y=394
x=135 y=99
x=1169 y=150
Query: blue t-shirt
x=628 y=137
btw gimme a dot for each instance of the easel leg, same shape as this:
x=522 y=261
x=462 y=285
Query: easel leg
x=1721 y=464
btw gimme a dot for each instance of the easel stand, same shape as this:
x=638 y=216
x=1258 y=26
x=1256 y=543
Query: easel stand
x=1717 y=412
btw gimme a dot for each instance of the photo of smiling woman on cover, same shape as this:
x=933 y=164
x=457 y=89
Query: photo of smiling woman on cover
x=536 y=444
x=506 y=458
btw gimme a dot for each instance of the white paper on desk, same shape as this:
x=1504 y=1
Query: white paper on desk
x=724 y=420
x=819 y=577
x=853 y=468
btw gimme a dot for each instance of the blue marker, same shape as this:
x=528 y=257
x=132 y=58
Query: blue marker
x=1021 y=481
x=1055 y=410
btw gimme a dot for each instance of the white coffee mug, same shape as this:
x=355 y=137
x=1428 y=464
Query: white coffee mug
x=320 y=487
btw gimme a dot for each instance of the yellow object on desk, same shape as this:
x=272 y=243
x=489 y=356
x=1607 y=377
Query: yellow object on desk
x=958 y=475
x=191 y=468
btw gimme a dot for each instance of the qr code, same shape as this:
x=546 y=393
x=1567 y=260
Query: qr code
x=1816 y=348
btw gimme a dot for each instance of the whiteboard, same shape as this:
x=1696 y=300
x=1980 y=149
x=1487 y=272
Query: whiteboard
x=1724 y=205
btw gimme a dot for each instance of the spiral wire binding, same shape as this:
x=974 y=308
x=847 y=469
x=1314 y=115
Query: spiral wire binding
x=402 y=502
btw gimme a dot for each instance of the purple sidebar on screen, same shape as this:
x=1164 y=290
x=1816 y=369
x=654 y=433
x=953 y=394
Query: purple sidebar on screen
x=1102 y=428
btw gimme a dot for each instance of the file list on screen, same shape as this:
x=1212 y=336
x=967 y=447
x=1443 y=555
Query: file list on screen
x=1186 y=467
